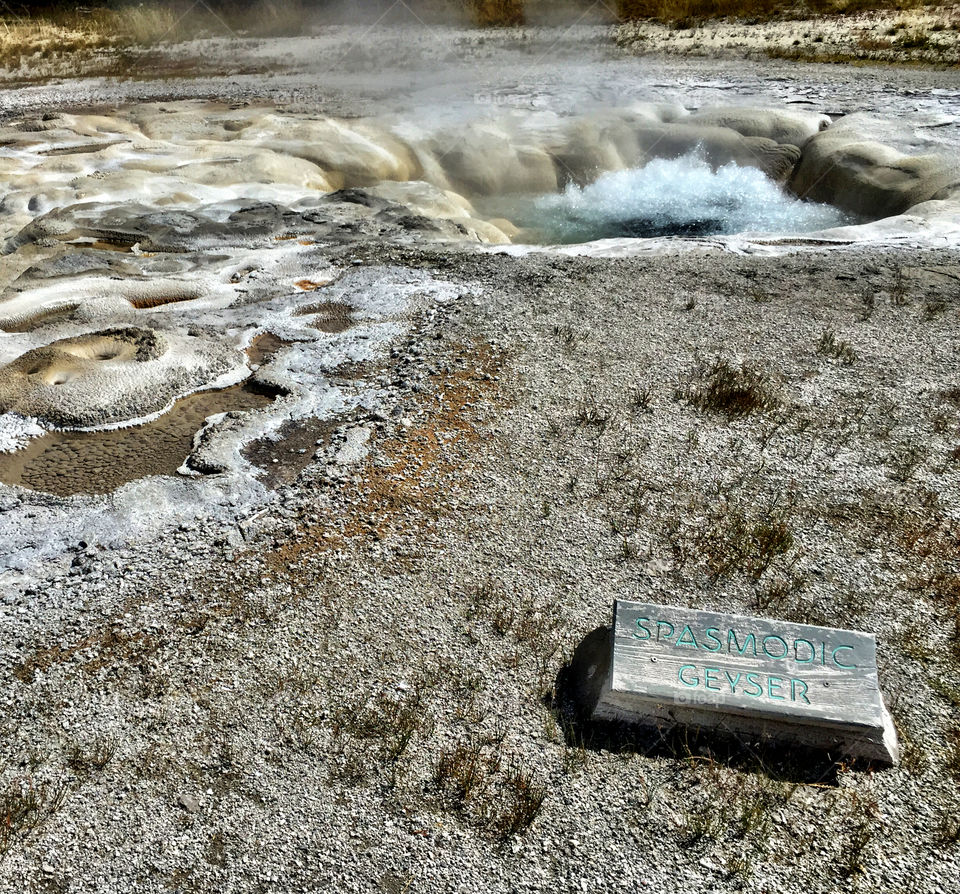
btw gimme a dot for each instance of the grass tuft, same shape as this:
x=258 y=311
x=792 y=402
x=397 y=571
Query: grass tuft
x=724 y=388
x=748 y=545
x=394 y=721
x=525 y=799
x=462 y=772
x=498 y=796
x=94 y=759
x=838 y=349
x=24 y=806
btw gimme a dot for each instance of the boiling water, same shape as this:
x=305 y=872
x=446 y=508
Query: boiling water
x=671 y=197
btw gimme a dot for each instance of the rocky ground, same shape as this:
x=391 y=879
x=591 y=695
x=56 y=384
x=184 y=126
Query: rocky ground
x=360 y=685
x=358 y=688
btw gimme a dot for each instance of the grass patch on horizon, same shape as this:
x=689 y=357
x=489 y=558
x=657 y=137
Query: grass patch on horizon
x=687 y=13
x=64 y=29
x=499 y=12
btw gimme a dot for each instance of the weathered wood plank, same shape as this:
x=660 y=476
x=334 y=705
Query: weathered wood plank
x=814 y=686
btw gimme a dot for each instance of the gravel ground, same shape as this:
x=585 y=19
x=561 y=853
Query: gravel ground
x=361 y=687
x=354 y=71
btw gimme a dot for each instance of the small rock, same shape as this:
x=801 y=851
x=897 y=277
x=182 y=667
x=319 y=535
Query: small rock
x=188 y=803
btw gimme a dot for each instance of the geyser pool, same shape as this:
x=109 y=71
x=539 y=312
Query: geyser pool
x=670 y=197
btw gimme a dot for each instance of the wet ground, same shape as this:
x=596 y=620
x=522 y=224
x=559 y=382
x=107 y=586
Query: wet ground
x=269 y=682
x=283 y=298
x=378 y=70
x=66 y=462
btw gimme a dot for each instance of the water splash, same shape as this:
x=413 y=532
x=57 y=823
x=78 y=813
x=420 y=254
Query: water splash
x=674 y=197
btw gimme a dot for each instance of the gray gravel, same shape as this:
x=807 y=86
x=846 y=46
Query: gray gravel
x=354 y=688
x=255 y=683
x=356 y=71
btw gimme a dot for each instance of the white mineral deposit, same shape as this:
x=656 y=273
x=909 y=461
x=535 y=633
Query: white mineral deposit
x=490 y=446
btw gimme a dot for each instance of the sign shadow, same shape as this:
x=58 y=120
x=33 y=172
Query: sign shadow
x=578 y=687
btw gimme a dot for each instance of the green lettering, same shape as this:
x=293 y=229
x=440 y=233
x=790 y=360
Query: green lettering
x=642 y=626
x=770 y=683
x=690 y=642
x=732 y=640
x=710 y=676
x=836 y=661
x=753 y=681
x=712 y=635
x=796 y=651
x=733 y=680
x=794 y=684
x=660 y=625
x=780 y=640
x=696 y=677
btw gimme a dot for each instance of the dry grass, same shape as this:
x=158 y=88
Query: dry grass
x=122 y=41
x=688 y=11
x=678 y=12
x=838 y=349
x=25 y=805
x=72 y=30
x=871 y=44
x=499 y=12
x=738 y=542
x=393 y=721
x=63 y=32
x=94 y=758
x=727 y=389
x=495 y=794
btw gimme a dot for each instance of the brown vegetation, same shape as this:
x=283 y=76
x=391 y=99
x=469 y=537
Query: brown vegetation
x=686 y=11
x=499 y=12
x=689 y=11
x=63 y=30
x=727 y=389
x=125 y=41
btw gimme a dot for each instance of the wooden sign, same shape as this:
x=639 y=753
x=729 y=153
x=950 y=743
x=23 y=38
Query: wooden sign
x=752 y=677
